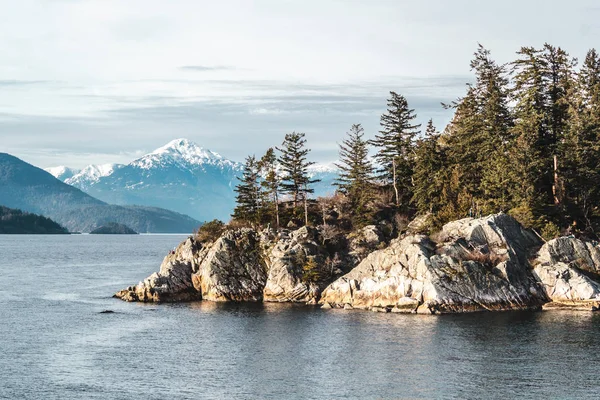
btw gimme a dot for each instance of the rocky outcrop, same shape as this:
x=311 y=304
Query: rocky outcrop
x=489 y=263
x=245 y=265
x=477 y=264
x=234 y=269
x=287 y=260
x=174 y=280
x=569 y=269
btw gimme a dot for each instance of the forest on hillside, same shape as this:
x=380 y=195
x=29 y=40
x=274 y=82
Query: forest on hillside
x=523 y=140
x=14 y=221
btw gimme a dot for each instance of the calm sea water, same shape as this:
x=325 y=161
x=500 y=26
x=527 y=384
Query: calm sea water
x=56 y=344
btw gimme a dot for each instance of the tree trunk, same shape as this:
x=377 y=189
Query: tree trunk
x=555 y=186
x=276 y=210
x=395 y=184
x=305 y=207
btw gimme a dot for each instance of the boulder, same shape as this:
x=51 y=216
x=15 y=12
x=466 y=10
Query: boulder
x=233 y=270
x=286 y=260
x=478 y=264
x=365 y=240
x=243 y=265
x=569 y=270
x=174 y=280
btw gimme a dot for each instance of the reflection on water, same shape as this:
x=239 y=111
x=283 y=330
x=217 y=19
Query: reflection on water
x=56 y=343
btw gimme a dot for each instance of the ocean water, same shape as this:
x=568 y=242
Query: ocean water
x=56 y=344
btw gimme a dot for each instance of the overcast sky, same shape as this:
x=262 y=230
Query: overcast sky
x=95 y=81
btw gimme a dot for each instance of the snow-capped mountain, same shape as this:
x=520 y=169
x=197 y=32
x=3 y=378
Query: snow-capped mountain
x=327 y=173
x=91 y=175
x=62 y=173
x=180 y=176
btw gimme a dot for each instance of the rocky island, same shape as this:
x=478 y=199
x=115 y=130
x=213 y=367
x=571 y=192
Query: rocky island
x=113 y=229
x=474 y=264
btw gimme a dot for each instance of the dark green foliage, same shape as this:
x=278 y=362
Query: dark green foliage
x=294 y=164
x=248 y=191
x=356 y=170
x=18 y=222
x=525 y=139
x=478 y=139
x=113 y=228
x=429 y=171
x=270 y=184
x=394 y=145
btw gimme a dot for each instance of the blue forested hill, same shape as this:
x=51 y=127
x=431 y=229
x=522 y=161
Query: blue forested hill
x=18 y=222
x=32 y=189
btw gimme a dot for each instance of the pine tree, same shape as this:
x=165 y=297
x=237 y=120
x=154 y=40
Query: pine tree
x=395 y=144
x=295 y=180
x=479 y=135
x=560 y=71
x=528 y=154
x=248 y=193
x=271 y=181
x=580 y=147
x=356 y=171
x=429 y=172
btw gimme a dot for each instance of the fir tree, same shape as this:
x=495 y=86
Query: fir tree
x=356 y=170
x=580 y=147
x=271 y=181
x=479 y=134
x=395 y=144
x=429 y=171
x=295 y=180
x=248 y=193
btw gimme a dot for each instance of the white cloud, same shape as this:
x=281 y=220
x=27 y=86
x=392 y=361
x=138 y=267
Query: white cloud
x=103 y=76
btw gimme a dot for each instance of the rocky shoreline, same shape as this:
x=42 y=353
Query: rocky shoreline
x=485 y=264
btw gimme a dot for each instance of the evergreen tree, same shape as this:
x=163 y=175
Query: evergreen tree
x=248 y=193
x=478 y=137
x=271 y=181
x=580 y=147
x=356 y=170
x=395 y=144
x=295 y=180
x=429 y=172
x=528 y=154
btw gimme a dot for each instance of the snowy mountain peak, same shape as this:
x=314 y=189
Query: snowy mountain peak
x=182 y=152
x=186 y=149
x=62 y=173
x=92 y=174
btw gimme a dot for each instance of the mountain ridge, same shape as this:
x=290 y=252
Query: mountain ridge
x=34 y=190
x=180 y=176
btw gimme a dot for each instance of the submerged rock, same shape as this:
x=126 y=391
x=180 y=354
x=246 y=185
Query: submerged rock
x=479 y=264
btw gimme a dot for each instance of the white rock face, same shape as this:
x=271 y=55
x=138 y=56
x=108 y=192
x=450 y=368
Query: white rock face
x=569 y=269
x=480 y=264
x=241 y=265
x=174 y=280
x=233 y=270
x=285 y=283
x=476 y=265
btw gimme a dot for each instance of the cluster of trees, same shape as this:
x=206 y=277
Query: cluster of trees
x=264 y=180
x=523 y=140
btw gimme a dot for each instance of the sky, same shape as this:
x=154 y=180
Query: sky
x=97 y=81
